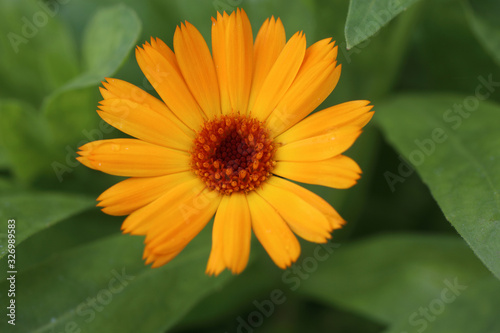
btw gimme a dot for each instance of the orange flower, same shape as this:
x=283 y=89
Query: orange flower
x=230 y=128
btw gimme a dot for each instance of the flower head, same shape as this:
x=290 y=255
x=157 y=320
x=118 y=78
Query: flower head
x=231 y=126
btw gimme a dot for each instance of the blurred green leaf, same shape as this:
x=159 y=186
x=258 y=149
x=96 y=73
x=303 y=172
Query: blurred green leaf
x=36 y=211
x=295 y=15
x=38 y=53
x=75 y=230
x=5 y=184
x=4 y=162
x=69 y=115
x=105 y=287
x=365 y=18
x=30 y=149
x=362 y=78
x=108 y=40
x=33 y=142
x=23 y=138
x=452 y=141
x=238 y=294
x=483 y=19
x=399 y=275
x=440 y=44
x=109 y=37
x=479 y=301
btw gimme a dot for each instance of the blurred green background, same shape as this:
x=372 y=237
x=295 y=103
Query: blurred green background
x=420 y=252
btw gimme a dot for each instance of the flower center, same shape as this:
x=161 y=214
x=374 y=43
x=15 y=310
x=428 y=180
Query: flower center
x=233 y=153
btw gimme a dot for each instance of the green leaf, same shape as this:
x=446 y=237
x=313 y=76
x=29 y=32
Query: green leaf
x=28 y=147
x=75 y=230
x=32 y=142
x=105 y=287
x=38 y=51
x=109 y=37
x=432 y=61
x=483 y=19
x=36 y=211
x=365 y=18
x=389 y=48
x=401 y=274
x=23 y=139
x=4 y=162
x=479 y=301
x=69 y=115
x=452 y=141
x=108 y=40
x=239 y=293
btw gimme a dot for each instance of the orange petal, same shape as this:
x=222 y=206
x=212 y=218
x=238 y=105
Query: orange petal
x=119 y=89
x=160 y=259
x=354 y=113
x=219 y=52
x=303 y=218
x=319 y=147
x=337 y=172
x=315 y=80
x=313 y=199
x=280 y=77
x=231 y=235
x=197 y=67
x=272 y=232
x=232 y=46
x=142 y=122
x=133 y=193
x=216 y=262
x=142 y=221
x=132 y=158
x=164 y=75
x=160 y=46
x=269 y=43
x=181 y=227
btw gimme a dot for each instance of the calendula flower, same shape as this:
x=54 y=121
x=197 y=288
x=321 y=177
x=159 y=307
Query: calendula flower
x=230 y=128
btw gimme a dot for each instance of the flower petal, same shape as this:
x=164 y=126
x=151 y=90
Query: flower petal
x=313 y=199
x=337 y=172
x=280 y=77
x=303 y=218
x=160 y=46
x=269 y=43
x=184 y=223
x=197 y=67
x=354 y=113
x=232 y=46
x=158 y=126
x=219 y=52
x=119 y=89
x=132 y=158
x=272 y=232
x=159 y=259
x=237 y=233
x=164 y=75
x=216 y=262
x=231 y=235
x=142 y=221
x=133 y=193
x=319 y=147
x=316 y=79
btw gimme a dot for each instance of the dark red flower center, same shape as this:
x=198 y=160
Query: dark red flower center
x=233 y=153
